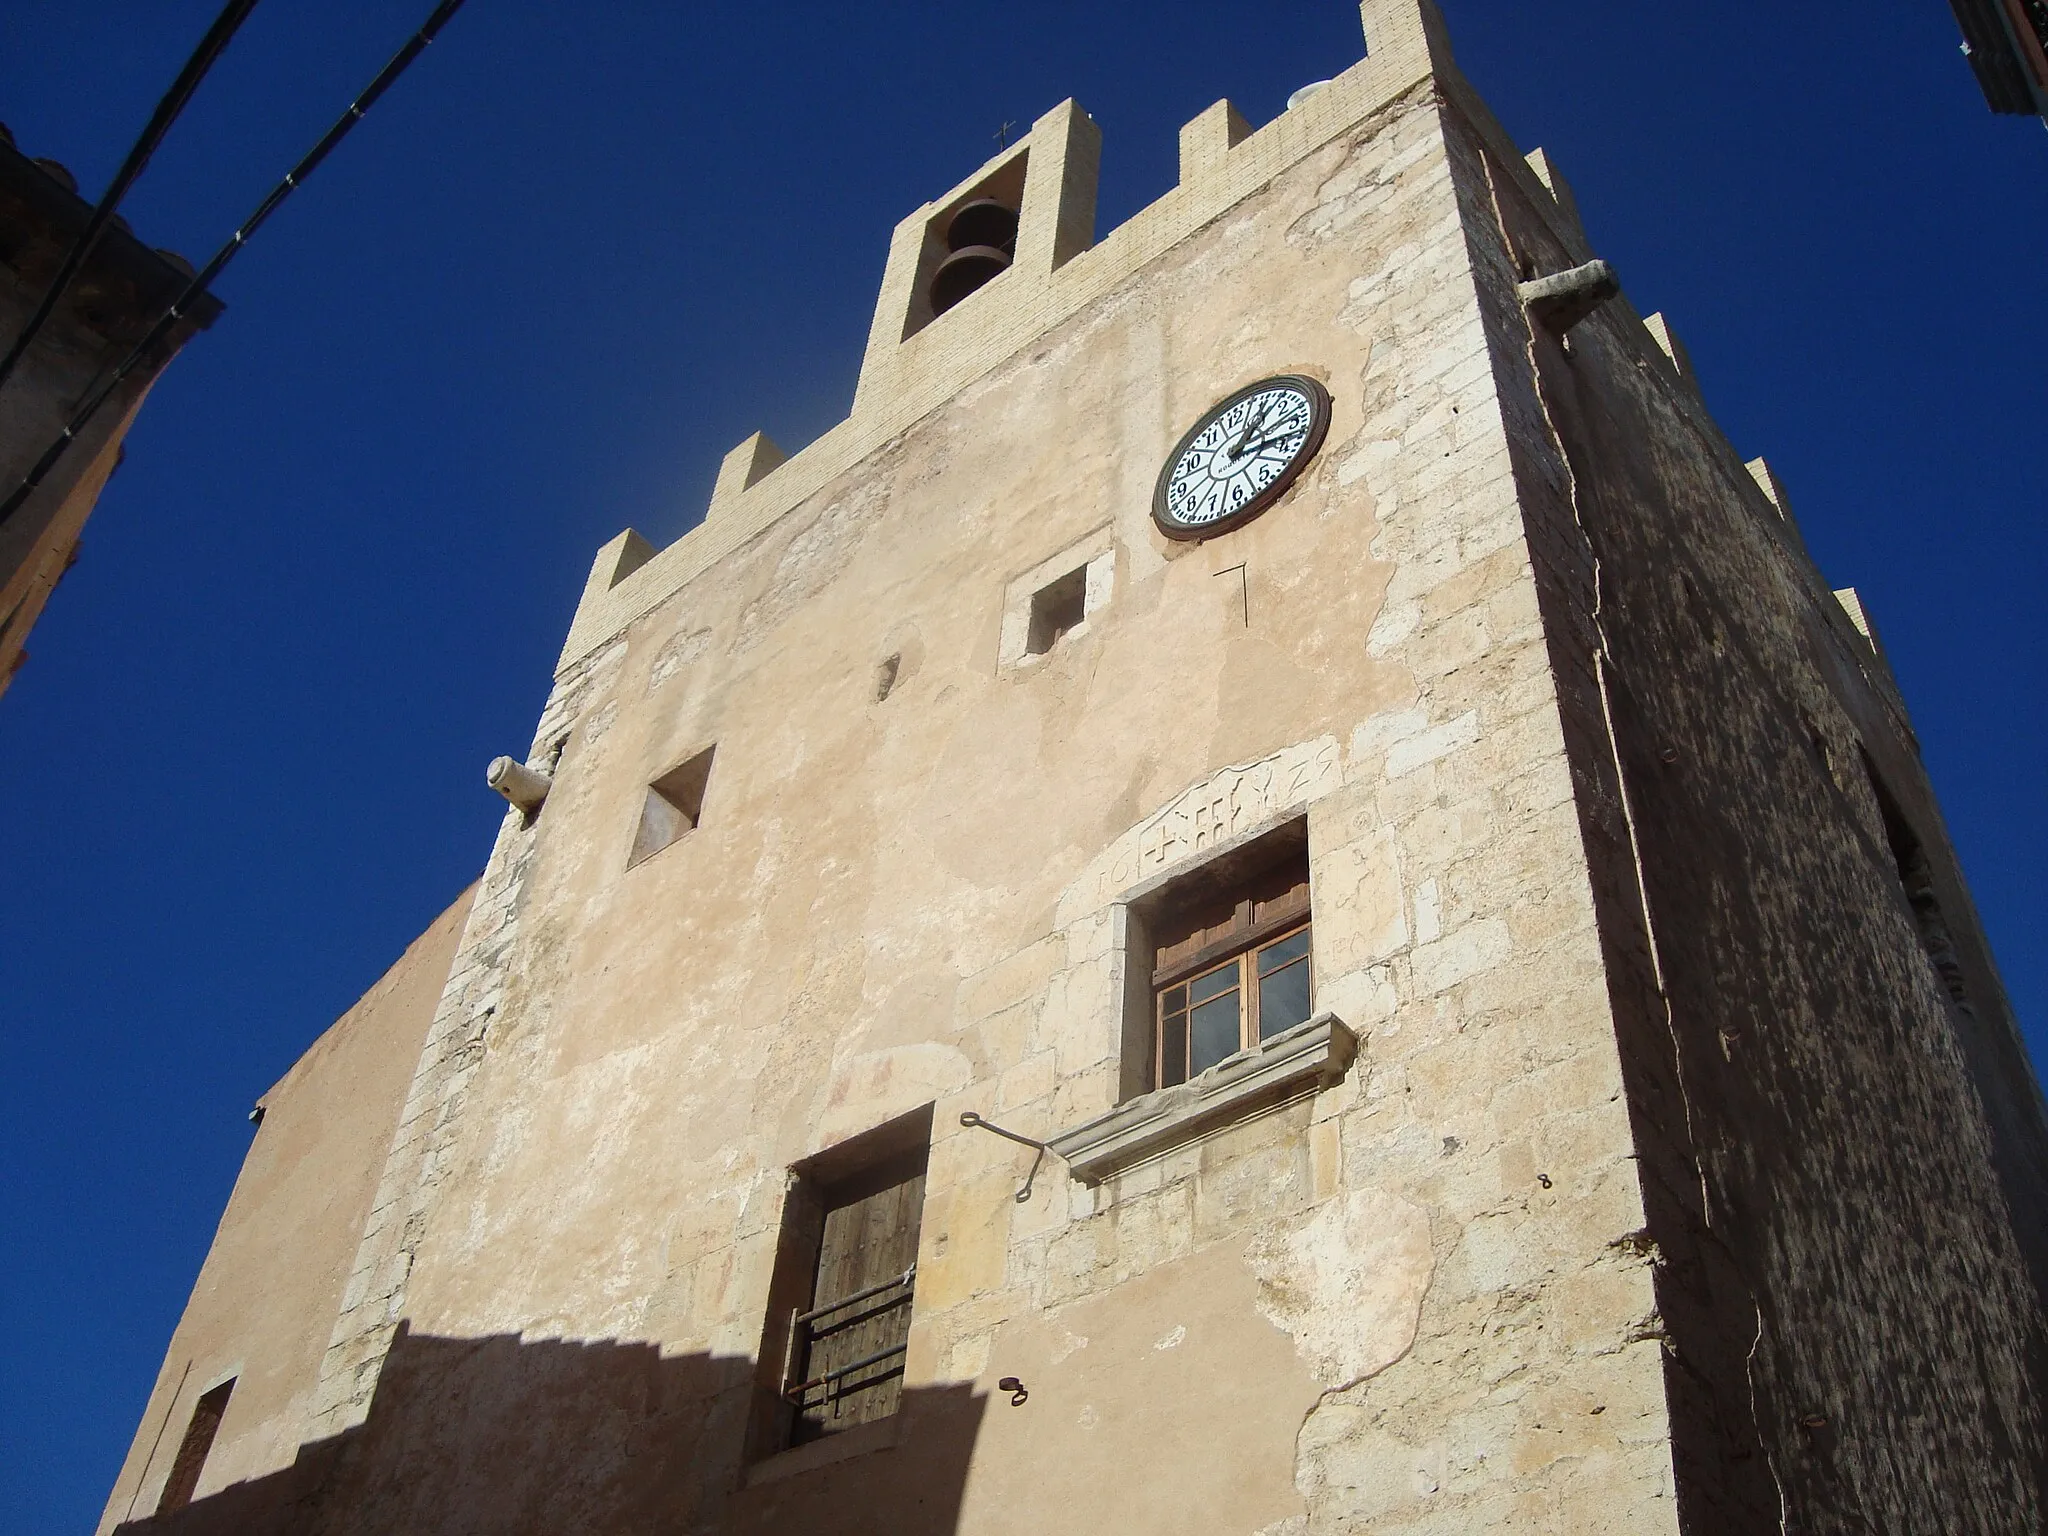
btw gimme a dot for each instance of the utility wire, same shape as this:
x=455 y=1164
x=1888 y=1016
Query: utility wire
x=210 y=48
x=294 y=178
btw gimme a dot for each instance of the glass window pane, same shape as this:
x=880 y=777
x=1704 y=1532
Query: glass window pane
x=1222 y=979
x=1175 y=1000
x=1293 y=947
x=1214 y=1031
x=1173 y=1039
x=1283 y=998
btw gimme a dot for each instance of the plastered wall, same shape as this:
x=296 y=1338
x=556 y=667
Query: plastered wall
x=1484 y=1280
x=265 y=1299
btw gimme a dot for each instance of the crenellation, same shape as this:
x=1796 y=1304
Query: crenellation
x=1207 y=139
x=1672 y=348
x=1083 y=272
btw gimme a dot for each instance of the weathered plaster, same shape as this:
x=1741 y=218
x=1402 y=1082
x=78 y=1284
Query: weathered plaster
x=1462 y=1287
x=266 y=1297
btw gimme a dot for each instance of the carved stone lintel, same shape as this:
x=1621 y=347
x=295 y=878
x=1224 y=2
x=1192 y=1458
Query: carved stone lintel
x=1307 y=1058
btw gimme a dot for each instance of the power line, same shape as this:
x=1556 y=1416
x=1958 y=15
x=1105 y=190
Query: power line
x=293 y=179
x=210 y=48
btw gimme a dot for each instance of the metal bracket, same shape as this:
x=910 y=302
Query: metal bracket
x=971 y=1120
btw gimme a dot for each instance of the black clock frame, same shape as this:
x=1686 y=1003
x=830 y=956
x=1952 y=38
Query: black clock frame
x=1318 y=429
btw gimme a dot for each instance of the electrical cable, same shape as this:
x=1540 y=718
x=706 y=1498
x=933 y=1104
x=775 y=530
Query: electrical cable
x=293 y=179
x=210 y=48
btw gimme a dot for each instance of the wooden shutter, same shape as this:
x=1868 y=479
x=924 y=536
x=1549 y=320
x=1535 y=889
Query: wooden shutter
x=869 y=1242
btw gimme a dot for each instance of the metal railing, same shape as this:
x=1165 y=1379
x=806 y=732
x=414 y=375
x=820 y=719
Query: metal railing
x=806 y=1329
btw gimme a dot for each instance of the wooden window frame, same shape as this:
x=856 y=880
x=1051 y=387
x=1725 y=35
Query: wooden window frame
x=1252 y=930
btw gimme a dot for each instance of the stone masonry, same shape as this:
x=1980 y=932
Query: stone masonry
x=1688 y=1174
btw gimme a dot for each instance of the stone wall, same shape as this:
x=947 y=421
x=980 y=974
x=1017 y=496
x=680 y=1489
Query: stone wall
x=267 y=1294
x=426 y=1137
x=1417 y=1297
x=1508 y=1270
x=1844 y=1170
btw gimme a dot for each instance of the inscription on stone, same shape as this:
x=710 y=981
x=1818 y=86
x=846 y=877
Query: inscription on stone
x=1229 y=802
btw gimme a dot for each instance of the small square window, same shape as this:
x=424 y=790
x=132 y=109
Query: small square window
x=674 y=805
x=1057 y=608
x=1056 y=598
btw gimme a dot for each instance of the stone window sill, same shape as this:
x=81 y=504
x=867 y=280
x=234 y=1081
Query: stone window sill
x=1306 y=1059
x=878 y=1435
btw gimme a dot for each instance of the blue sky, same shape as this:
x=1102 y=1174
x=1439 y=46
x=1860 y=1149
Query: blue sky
x=581 y=251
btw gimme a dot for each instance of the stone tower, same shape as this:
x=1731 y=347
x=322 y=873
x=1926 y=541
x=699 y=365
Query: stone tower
x=1267 y=896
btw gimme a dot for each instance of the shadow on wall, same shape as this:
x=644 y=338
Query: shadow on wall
x=502 y=1435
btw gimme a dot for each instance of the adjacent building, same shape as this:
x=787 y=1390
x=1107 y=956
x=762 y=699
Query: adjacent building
x=116 y=297
x=2006 y=42
x=1267 y=896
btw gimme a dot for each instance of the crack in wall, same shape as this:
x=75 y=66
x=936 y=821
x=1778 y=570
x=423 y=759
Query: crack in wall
x=1602 y=663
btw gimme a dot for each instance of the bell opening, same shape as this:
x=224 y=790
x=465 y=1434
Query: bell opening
x=984 y=222
x=969 y=242
x=963 y=272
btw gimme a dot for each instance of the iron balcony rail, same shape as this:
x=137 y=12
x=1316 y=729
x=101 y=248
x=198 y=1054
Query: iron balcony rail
x=803 y=1334
x=803 y=1319
x=796 y=1393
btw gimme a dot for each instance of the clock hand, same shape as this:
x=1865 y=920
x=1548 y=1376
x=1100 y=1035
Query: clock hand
x=1266 y=442
x=1237 y=449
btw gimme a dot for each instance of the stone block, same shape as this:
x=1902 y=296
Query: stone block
x=1019 y=978
x=966 y=1233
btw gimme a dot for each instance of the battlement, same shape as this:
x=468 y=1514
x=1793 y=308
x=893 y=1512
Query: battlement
x=915 y=361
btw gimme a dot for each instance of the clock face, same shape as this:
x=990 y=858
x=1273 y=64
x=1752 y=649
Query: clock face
x=1238 y=459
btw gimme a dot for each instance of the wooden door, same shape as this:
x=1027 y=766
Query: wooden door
x=861 y=1301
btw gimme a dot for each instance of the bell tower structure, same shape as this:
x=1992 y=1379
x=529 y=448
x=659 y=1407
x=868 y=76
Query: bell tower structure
x=1268 y=896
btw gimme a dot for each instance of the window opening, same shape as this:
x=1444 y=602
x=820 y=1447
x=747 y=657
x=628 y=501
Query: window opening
x=192 y=1450
x=674 y=805
x=1916 y=878
x=1056 y=608
x=981 y=242
x=1057 y=598
x=1230 y=961
x=968 y=243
